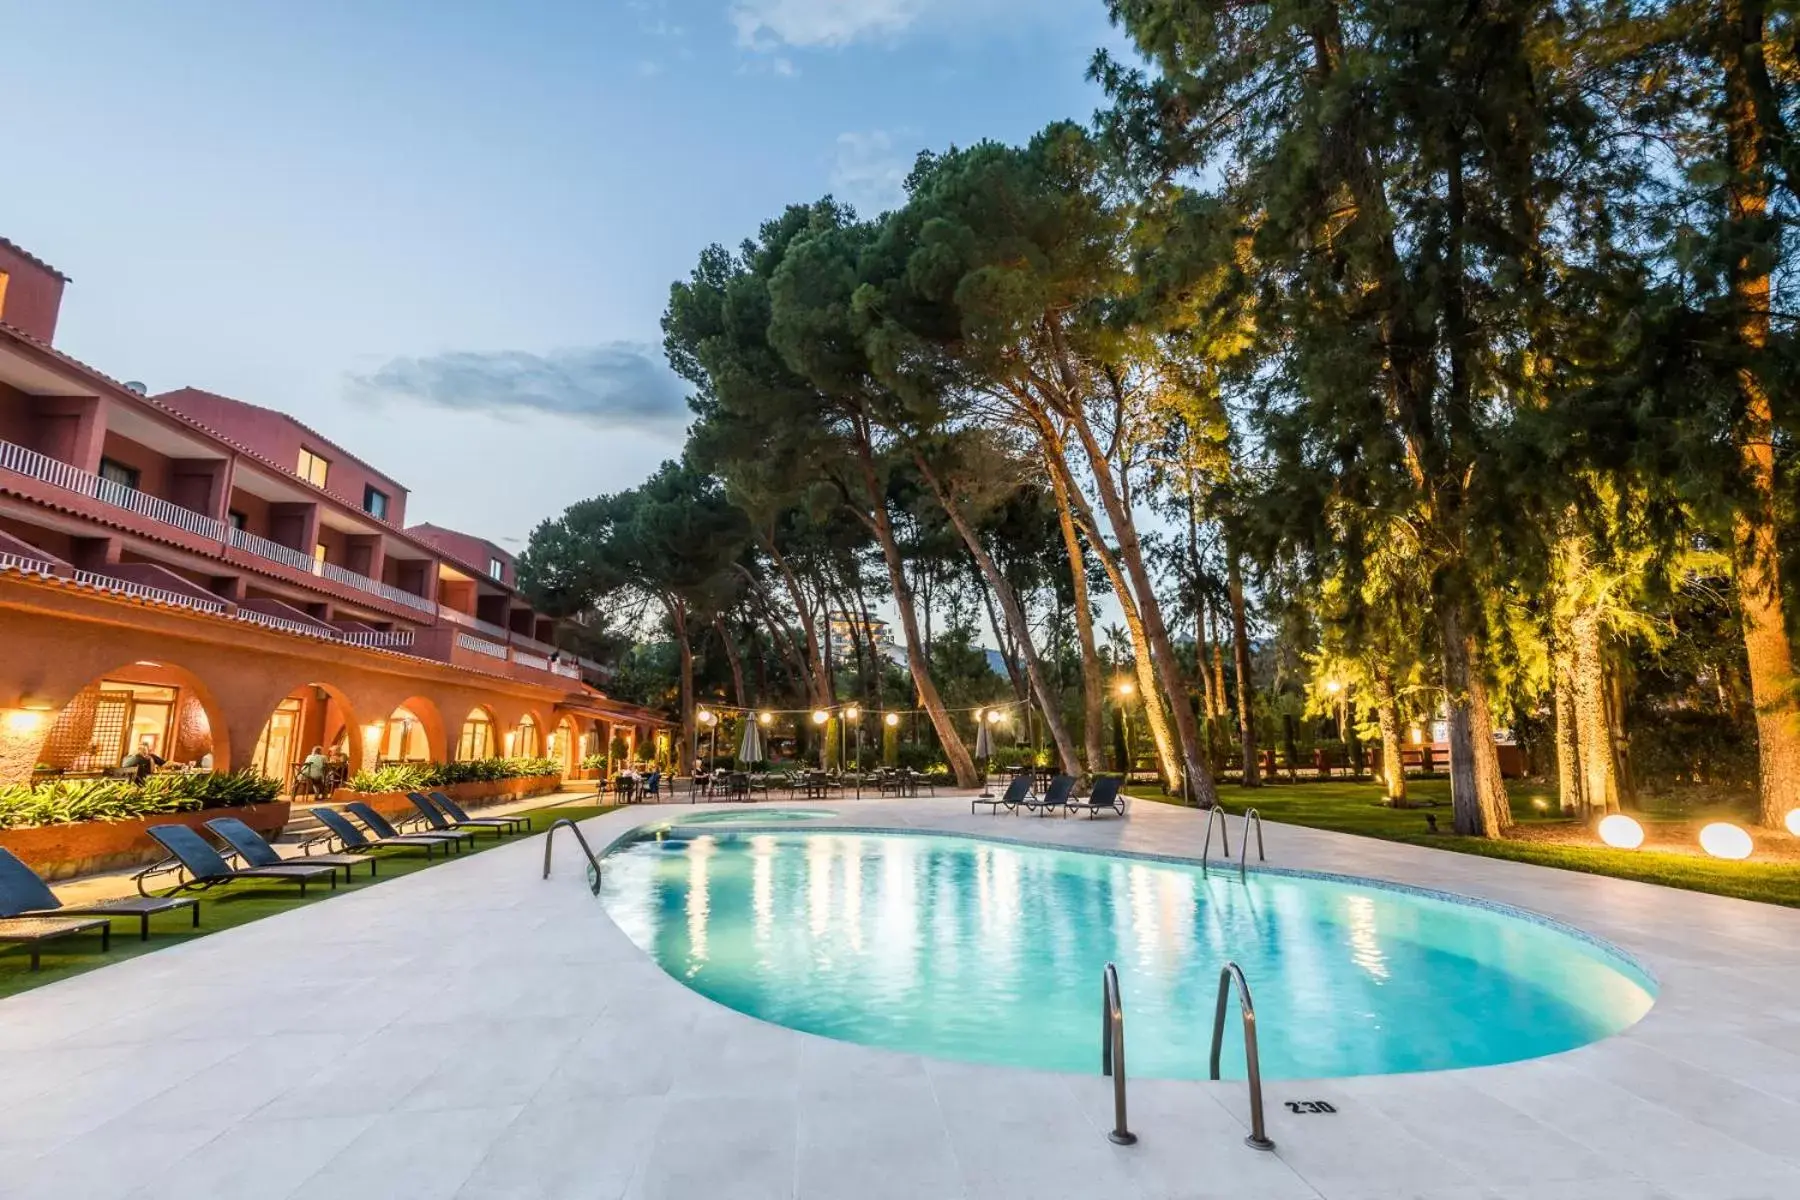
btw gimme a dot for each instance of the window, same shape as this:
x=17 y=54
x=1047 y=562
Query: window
x=3 y=278
x=313 y=468
x=496 y=569
x=318 y=556
x=117 y=472
x=238 y=519
x=477 y=740
x=375 y=503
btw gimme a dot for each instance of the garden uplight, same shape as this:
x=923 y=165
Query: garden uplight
x=1621 y=832
x=1722 y=839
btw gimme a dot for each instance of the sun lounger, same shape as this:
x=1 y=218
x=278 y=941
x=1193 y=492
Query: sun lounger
x=194 y=857
x=24 y=895
x=1015 y=792
x=35 y=930
x=1107 y=796
x=458 y=816
x=381 y=828
x=1055 y=796
x=351 y=839
x=442 y=822
x=249 y=845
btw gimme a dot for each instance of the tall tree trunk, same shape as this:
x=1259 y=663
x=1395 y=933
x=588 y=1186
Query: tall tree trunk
x=1477 y=794
x=1599 y=782
x=1093 y=685
x=955 y=752
x=1393 y=754
x=684 y=760
x=1246 y=695
x=1755 y=553
x=1568 y=739
x=1141 y=648
x=731 y=657
x=1156 y=633
x=1002 y=589
x=1220 y=695
x=817 y=677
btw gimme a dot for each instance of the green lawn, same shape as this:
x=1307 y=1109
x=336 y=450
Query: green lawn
x=231 y=905
x=1356 y=808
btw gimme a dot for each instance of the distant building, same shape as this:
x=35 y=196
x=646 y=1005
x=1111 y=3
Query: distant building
x=847 y=629
x=216 y=581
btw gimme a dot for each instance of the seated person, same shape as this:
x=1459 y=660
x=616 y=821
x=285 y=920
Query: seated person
x=141 y=762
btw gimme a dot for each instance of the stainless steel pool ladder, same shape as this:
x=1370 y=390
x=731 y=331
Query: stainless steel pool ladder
x=1215 y=814
x=1251 y=817
x=1112 y=1050
x=550 y=841
x=1232 y=973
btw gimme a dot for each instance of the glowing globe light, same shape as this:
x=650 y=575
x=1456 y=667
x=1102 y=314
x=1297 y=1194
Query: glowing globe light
x=994 y=716
x=1621 y=832
x=892 y=719
x=1722 y=839
x=765 y=718
x=851 y=713
x=820 y=716
x=1793 y=821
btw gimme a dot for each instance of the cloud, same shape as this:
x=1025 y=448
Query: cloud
x=765 y=24
x=615 y=385
x=869 y=171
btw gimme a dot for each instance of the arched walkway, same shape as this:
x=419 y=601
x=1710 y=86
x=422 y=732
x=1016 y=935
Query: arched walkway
x=412 y=733
x=526 y=739
x=159 y=707
x=565 y=747
x=479 y=736
x=312 y=715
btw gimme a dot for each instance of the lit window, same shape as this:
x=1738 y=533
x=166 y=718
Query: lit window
x=3 y=278
x=496 y=568
x=319 y=555
x=119 y=473
x=313 y=468
x=375 y=503
x=477 y=740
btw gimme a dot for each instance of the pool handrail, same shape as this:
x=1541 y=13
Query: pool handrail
x=1215 y=813
x=1112 y=1051
x=1251 y=817
x=1232 y=973
x=550 y=840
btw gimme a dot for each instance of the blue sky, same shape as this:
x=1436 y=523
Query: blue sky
x=443 y=233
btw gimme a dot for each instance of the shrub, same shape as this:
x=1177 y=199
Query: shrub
x=409 y=777
x=68 y=801
x=396 y=777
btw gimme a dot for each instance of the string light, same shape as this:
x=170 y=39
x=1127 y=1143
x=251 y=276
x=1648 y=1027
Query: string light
x=892 y=719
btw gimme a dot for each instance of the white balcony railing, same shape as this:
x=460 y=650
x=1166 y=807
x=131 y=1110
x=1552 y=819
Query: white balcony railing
x=567 y=670
x=458 y=617
x=25 y=566
x=531 y=660
x=286 y=624
x=54 y=471
x=531 y=643
x=386 y=591
x=394 y=639
x=481 y=646
x=262 y=547
x=145 y=591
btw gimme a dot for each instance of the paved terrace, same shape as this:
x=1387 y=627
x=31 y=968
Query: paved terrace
x=472 y=1031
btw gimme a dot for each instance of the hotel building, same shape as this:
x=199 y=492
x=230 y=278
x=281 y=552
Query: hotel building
x=220 y=582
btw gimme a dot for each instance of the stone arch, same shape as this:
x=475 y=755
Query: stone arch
x=155 y=702
x=478 y=736
x=566 y=745
x=413 y=727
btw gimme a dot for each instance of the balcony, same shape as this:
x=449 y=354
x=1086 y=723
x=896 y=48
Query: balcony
x=458 y=617
x=60 y=474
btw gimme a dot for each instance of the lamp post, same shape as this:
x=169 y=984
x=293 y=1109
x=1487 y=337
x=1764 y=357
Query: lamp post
x=853 y=715
x=820 y=716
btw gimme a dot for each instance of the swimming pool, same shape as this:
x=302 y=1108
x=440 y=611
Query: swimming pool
x=753 y=816
x=991 y=952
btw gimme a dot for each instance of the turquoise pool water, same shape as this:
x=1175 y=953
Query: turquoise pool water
x=975 y=950
x=754 y=816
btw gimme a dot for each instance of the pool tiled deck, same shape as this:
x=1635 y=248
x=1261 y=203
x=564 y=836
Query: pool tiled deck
x=473 y=1031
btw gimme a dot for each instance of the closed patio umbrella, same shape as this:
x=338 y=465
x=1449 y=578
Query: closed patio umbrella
x=984 y=744
x=751 y=751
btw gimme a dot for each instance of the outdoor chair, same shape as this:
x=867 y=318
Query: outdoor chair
x=438 y=822
x=382 y=828
x=1017 y=789
x=249 y=845
x=1055 y=796
x=351 y=839
x=458 y=815
x=653 y=788
x=192 y=856
x=920 y=779
x=24 y=895
x=1108 y=796
x=33 y=931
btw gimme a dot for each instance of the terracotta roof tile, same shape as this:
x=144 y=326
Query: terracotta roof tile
x=33 y=259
